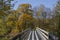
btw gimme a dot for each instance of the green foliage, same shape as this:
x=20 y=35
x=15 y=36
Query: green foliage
x=2 y=27
x=5 y=5
x=58 y=12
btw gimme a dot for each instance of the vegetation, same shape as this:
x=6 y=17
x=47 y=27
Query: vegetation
x=13 y=22
x=58 y=16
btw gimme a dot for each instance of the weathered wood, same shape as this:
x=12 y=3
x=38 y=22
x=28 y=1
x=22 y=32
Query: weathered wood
x=21 y=35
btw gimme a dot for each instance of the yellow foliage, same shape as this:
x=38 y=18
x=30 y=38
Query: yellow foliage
x=22 y=19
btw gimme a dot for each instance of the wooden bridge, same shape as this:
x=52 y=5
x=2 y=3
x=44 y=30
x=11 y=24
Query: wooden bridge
x=38 y=34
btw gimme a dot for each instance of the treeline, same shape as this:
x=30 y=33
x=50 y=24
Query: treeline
x=15 y=21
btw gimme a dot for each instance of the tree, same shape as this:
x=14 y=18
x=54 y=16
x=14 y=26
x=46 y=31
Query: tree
x=58 y=14
x=21 y=20
x=25 y=8
x=25 y=21
x=11 y=19
x=5 y=5
x=39 y=14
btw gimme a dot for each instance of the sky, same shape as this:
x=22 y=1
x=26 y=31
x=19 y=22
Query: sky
x=36 y=3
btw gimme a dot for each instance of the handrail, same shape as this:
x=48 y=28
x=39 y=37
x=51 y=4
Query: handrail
x=48 y=35
x=39 y=34
x=22 y=34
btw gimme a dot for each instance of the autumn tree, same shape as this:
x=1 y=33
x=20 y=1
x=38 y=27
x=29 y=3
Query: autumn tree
x=5 y=6
x=25 y=19
x=25 y=8
x=11 y=19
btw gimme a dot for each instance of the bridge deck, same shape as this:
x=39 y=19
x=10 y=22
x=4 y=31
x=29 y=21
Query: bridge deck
x=38 y=34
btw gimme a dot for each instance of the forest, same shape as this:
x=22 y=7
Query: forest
x=16 y=21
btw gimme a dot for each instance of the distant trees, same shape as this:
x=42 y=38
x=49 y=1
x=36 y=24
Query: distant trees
x=41 y=14
x=37 y=14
